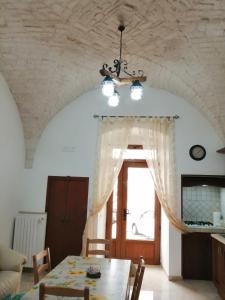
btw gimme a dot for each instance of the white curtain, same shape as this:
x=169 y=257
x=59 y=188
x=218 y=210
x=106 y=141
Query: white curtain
x=157 y=137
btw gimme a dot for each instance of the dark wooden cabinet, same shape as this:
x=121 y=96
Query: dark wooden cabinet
x=218 y=250
x=66 y=207
x=197 y=256
x=198 y=180
x=215 y=261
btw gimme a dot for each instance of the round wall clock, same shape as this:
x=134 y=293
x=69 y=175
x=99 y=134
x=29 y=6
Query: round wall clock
x=197 y=152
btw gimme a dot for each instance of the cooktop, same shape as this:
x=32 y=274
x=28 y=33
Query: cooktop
x=198 y=223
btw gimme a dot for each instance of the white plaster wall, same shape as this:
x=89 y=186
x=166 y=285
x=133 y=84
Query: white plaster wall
x=164 y=253
x=68 y=147
x=12 y=153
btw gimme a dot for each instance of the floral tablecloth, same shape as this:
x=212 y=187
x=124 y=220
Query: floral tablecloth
x=71 y=272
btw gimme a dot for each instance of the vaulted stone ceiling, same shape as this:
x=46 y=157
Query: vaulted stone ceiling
x=51 y=51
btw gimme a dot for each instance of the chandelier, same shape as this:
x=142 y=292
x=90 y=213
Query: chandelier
x=113 y=78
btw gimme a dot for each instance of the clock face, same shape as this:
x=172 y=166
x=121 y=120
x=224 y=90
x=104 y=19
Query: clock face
x=197 y=152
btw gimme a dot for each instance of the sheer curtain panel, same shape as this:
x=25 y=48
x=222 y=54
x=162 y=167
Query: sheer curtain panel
x=157 y=137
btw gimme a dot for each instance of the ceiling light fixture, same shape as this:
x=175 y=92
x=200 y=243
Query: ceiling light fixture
x=113 y=78
x=114 y=99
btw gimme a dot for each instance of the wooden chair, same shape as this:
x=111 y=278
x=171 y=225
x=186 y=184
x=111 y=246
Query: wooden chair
x=62 y=291
x=40 y=269
x=138 y=279
x=106 y=252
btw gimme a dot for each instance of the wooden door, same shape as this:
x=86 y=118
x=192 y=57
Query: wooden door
x=135 y=212
x=66 y=207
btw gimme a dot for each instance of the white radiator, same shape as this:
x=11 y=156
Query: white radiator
x=29 y=234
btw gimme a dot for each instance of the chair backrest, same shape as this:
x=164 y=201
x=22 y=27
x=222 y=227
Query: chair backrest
x=62 y=291
x=40 y=269
x=138 y=279
x=107 y=245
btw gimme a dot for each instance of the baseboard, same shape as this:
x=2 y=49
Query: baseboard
x=28 y=269
x=175 y=278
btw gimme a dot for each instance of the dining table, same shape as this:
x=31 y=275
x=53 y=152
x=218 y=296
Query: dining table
x=114 y=283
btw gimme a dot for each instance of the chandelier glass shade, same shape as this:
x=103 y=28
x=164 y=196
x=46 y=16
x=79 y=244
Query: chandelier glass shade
x=108 y=86
x=114 y=99
x=113 y=78
x=136 y=90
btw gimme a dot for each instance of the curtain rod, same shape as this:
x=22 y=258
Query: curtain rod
x=102 y=117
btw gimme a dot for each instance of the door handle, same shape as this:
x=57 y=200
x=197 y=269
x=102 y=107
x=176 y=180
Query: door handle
x=125 y=213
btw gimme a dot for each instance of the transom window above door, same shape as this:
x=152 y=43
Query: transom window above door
x=134 y=154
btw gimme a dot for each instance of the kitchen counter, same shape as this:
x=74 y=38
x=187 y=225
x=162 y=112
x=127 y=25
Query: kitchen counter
x=219 y=237
x=208 y=229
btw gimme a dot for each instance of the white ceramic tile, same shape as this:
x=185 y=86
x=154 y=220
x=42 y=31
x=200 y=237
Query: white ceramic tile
x=199 y=203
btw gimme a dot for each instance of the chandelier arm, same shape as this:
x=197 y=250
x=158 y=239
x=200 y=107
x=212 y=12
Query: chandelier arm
x=105 y=67
x=138 y=73
x=128 y=73
x=125 y=67
x=115 y=68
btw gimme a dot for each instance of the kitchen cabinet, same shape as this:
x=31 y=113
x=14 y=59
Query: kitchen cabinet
x=199 y=180
x=197 y=256
x=218 y=254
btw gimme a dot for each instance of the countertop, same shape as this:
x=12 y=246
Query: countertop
x=209 y=229
x=219 y=237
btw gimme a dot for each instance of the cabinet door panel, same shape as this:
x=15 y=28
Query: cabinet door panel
x=66 y=208
x=219 y=266
x=222 y=269
x=197 y=256
x=215 y=261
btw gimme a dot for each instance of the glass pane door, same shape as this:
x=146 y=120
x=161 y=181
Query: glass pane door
x=133 y=214
x=140 y=213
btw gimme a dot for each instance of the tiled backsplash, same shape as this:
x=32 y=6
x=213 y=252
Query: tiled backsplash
x=200 y=202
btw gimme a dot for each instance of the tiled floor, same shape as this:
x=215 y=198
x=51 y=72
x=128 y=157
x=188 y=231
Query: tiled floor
x=27 y=281
x=156 y=286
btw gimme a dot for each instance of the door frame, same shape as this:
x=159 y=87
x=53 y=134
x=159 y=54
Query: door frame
x=121 y=201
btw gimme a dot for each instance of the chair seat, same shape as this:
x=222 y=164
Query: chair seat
x=9 y=283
